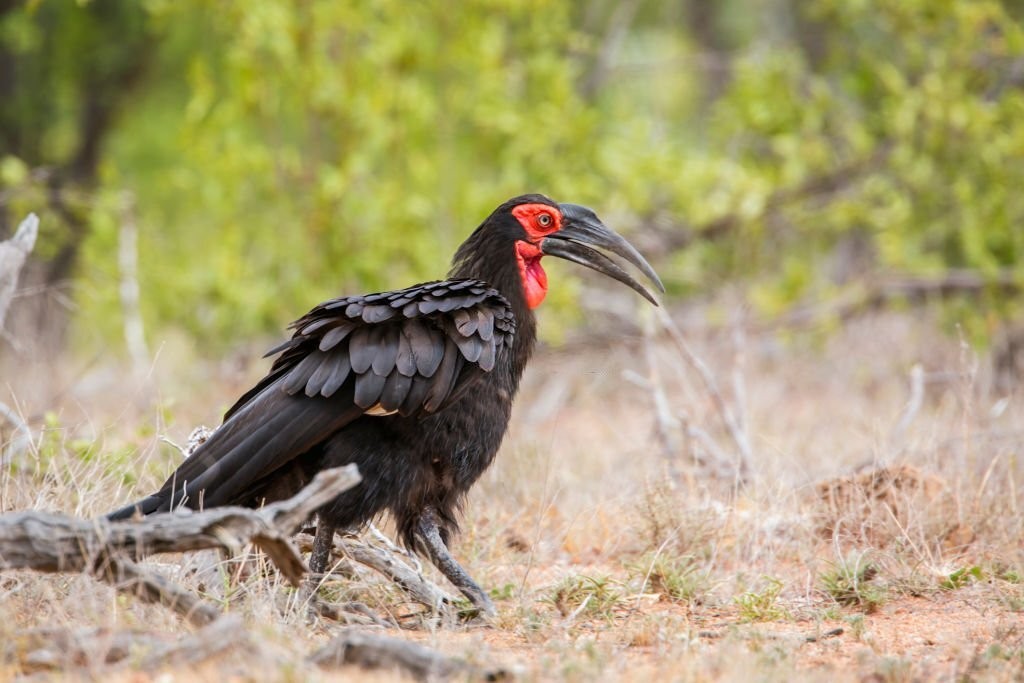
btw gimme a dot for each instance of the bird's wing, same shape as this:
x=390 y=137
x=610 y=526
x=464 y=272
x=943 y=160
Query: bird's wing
x=411 y=351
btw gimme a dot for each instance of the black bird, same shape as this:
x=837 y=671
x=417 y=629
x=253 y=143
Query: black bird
x=415 y=386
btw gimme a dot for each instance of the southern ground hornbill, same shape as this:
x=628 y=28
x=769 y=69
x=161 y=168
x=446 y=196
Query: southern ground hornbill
x=415 y=386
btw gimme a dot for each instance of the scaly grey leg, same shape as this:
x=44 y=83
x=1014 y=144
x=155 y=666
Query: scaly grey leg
x=443 y=560
x=323 y=542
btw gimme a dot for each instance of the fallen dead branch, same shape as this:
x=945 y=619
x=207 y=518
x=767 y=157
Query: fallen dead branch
x=352 y=612
x=47 y=541
x=812 y=638
x=671 y=236
x=46 y=649
x=871 y=295
x=129 y=577
x=408 y=579
x=374 y=651
x=50 y=649
x=225 y=633
x=387 y=563
x=51 y=542
x=831 y=633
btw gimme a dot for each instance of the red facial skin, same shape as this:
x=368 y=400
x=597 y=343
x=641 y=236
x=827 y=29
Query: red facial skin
x=539 y=221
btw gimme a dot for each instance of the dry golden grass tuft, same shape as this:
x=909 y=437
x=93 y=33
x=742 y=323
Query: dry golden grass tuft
x=619 y=530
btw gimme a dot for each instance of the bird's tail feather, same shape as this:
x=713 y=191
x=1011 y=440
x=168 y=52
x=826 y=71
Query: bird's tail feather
x=268 y=432
x=145 y=506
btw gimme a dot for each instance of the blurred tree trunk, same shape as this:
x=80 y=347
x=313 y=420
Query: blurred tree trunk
x=811 y=35
x=101 y=52
x=614 y=32
x=704 y=27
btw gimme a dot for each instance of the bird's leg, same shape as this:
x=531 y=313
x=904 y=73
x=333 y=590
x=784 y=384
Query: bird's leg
x=319 y=562
x=430 y=534
x=323 y=542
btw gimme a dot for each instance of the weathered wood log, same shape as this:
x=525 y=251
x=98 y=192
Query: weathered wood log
x=225 y=633
x=376 y=651
x=50 y=649
x=53 y=542
x=47 y=649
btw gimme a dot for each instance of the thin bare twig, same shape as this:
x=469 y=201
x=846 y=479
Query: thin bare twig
x=732 y=425
x=19 y=441
x=666 y=424
x=739 y=385
x=128 y=265
x=615 y=34
x=13 y=253
x=914 y=403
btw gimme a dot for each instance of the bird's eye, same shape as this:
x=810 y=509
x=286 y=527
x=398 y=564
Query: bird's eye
x=544 y=220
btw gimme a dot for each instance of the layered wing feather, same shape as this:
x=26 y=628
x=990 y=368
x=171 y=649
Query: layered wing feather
x=375 y=339
x=412 y=351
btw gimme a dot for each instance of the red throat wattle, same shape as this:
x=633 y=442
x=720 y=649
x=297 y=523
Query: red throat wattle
x=538 y=221
x=535 y=280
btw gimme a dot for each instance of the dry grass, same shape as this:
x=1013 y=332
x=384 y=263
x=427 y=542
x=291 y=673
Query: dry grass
x=617 y=533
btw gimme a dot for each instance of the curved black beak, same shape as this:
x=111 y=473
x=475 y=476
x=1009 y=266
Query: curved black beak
x=582 y=229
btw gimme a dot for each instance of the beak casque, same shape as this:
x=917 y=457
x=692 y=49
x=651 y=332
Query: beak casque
x=581 y=230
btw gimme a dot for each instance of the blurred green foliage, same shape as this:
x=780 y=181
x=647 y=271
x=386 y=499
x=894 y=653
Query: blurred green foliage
x=276 y=153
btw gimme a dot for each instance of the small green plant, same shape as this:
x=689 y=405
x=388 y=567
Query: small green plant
x=1013 y=602
x=1001 y=652
x=675 y=578
x=673 y=527
x=858 y=629
x=761 y=605
x=830 y=613
x=962 y=577
x=851 y=582
x=504 y=592
x=335 y=592
x=1010 y=575
x=592 y=596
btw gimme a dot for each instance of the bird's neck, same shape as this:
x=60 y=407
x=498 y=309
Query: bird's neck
x=501 y=271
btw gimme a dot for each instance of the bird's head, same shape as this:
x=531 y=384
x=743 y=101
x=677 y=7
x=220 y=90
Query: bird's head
x=540 y=227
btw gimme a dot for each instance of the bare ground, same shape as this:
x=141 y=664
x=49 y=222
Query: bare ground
x=875 y=534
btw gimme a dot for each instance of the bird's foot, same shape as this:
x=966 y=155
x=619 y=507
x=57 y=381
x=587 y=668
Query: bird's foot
x=483 y=607
x=430 y=535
